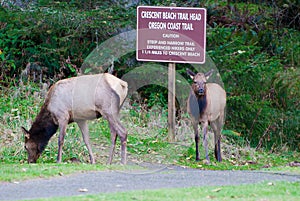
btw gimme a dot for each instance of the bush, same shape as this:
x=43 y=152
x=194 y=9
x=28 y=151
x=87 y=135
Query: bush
x=58 y=37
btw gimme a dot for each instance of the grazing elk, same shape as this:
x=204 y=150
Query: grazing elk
x=206 y=105
x=78 y=99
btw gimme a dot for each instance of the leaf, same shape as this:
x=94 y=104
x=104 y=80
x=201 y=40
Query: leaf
x=83 y=190
x=217 y=190
x=87 y=70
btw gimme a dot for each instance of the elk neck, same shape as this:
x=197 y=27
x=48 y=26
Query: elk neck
x=43 y=128
x=202 y=103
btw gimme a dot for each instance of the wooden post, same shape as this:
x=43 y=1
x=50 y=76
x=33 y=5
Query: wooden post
x=171 y=102
x=171 y=98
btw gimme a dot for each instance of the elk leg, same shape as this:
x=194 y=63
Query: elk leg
x=220 y=125
x=218 y=147
x=121 y=132
x=86 y=138
x=113 y=136
x=217 y=137
x=205 y=142
x=62 y=133
x=123 y=137
x=195 y=126
x=219 y=157
x=123 y=149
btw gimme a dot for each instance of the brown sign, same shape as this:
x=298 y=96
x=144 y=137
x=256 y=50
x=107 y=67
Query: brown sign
x=171 y=34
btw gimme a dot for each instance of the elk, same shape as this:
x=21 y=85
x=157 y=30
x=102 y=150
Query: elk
x=206 y=106
x=78 y=99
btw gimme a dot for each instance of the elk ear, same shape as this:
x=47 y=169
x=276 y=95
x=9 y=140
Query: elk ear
x=190 y=73
x=208 y=74
x=26 y=133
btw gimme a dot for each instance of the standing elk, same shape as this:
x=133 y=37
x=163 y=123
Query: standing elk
x=78 y=99
x=206 y=105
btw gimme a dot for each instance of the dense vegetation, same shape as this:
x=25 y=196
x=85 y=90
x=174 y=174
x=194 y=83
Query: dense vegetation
x=255 y=47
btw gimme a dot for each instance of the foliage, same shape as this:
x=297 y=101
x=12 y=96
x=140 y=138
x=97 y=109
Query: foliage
x=257 y=86
x=254 y=46
x=257 y=58
x=52 y=33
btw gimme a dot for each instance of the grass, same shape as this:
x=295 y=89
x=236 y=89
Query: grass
x=261 y=191
x=147 y=142
x=17 y=172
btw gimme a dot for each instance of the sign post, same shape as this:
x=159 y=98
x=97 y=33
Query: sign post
x=171 y=102
x=173 y=35
x=171 y=99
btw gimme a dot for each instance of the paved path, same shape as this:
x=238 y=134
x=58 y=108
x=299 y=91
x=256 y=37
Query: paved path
x=116 y=181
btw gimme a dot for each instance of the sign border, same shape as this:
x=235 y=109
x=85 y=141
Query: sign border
x=171 y=61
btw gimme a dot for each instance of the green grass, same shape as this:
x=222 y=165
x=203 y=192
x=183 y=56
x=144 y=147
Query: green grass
x=262 y=191
x=19 y=172
x=246 y=159
x=147 y=142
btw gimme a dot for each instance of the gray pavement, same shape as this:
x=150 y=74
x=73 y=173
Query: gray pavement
x=117 y=181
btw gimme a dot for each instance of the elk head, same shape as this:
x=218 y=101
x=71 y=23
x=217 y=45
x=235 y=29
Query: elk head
x=31 y=147
x=199 y=81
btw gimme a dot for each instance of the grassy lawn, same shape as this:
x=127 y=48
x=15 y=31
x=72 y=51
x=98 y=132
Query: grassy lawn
x=147 y=142
x=261 y=191
x=17 y=172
